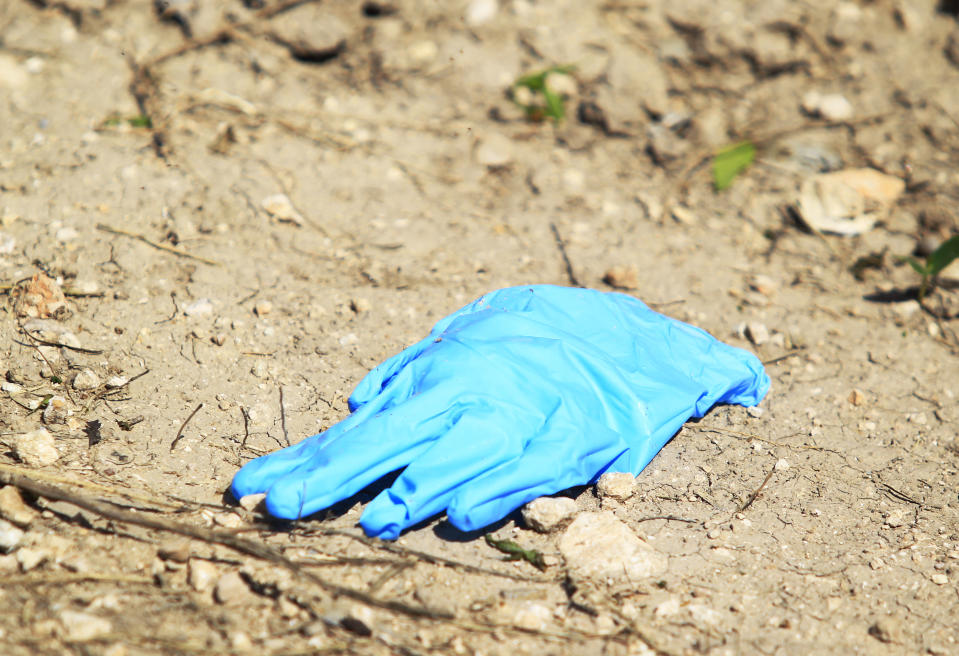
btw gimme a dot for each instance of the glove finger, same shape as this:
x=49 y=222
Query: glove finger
x=480 y=439
x=383 y=374
x=552 y=462
x=258 y=475
x=380 y=443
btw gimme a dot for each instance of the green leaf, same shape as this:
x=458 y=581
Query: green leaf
x=730 y=161
x=943 y=256
x=554 y=105
x=914 y=263
x=140 y=121
x=533 y=81
x=516 y=552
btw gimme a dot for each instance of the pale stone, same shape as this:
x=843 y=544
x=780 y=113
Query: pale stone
x=546 y=514
x=616 y=485
x=10 y=536
x=13 y=508
x=83 y=627
x=86 y=379
x=201 y=574
x=597 y=545
x=36 y=448
x=231 y=590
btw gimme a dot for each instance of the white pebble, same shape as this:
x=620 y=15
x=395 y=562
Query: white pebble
x=546 y=514
x=36 y=448
x=86 y=379
x=616 y=485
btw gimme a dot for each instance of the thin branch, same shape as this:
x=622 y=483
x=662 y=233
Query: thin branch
x=186 y=421
x=758 y=490
x=225 y=538
x=561 y=245
x=163 y=247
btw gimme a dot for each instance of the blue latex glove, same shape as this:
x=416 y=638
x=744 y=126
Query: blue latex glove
x=525 y=392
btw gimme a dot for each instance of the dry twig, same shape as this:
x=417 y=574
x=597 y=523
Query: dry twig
x=163 y=247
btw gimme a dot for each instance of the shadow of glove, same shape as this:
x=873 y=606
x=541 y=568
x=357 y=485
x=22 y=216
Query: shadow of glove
x=525 y=392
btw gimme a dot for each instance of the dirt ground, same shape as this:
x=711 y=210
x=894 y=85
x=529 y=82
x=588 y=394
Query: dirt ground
x=208 y=321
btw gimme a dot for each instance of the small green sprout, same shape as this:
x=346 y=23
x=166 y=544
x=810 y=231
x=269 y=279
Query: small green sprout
x=730 y=161
x=515 y=552
x=938 y=260
x=551 y=106
x=138 y=121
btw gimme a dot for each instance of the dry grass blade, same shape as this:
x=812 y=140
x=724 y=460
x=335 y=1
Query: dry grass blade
x=227 y=539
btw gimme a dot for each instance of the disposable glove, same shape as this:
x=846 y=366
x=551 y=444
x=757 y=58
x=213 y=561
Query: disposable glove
x=525 y=392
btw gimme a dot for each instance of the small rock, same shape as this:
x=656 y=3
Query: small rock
x=562 y=84
x=876 y=563
x=495 y=151
x=29 y=558
x=178 y=551
x=281 y=208
x=532 y=616
x=40 y=297
x=940 y=579
x=13 y=508
x=546 y=514
x=360 y=305
x=886 y=629
x=10 y=536
x=259 y=369
x=481 y=11
x=895 y=519
x=199 y=308
x=856 y=397
x=597 y=545
x=86 y=379
x=782 y=465
x=201 y=574
x=83 y=627
x=312 y=32
x=219 y=339
x=847 y=202
x=906 y=309
x=621 y=277
x=262 y=308
x=667 y=608
x=231 y=590
x=422 y=52
x=684 y=215
x=113 y=382
x=252 y=502
x=927 y=245
x=240 y=641
x=616 y=485
x=57 y=411
x=755 y=411
x=830 y=106
x=664 y=144
x=757 y=333
x=66 y=234
x=36 y=448
x=228 y=520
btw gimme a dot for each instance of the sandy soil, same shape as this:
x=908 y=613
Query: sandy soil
x=415 y=185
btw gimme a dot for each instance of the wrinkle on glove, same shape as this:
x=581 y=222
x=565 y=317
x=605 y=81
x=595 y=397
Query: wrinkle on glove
x=525 y=392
